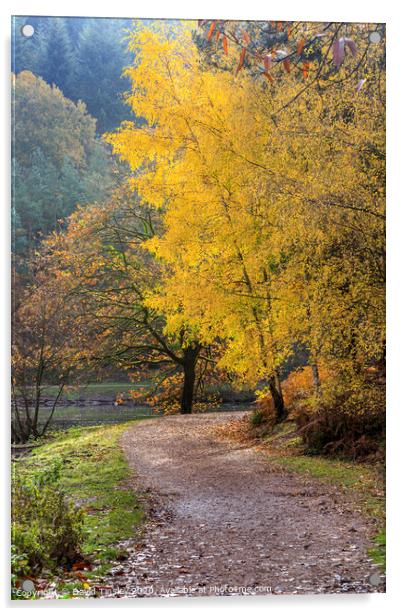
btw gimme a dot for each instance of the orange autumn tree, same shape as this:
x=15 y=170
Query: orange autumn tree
x=272 y=228
x=99 y=264
x=44 y=351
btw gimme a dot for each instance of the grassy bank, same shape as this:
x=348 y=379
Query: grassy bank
x=94 y=475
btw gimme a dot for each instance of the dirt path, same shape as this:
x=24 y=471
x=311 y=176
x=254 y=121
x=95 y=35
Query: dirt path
x=224 y=522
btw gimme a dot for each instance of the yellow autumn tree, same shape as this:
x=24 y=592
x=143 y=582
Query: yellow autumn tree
x=272 y=225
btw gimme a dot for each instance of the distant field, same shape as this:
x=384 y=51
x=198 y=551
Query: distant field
x=107 y=389
x=110 y=389
x=92 y=404
x=68 y=416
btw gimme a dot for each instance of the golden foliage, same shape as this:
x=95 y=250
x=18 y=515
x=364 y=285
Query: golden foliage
x=273 y=226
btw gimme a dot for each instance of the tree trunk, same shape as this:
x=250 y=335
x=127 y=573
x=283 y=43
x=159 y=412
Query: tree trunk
x=278 y=383
x=316 y=377
x=190 y=357
x=383 y=362
x=277 y=397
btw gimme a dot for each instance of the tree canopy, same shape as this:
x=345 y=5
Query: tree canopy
x=58 y=161
x=250 y=217
x=273 y=228
x=84 y=58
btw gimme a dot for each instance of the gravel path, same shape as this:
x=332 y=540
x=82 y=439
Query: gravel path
x=223 y=521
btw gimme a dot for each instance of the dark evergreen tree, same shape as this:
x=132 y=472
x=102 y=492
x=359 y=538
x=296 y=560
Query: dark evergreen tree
x=84 y=57
x=100 y=60
x=26 y=51
x=57 y=56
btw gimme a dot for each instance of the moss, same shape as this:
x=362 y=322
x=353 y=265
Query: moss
x=94 y=475
x=378 y=552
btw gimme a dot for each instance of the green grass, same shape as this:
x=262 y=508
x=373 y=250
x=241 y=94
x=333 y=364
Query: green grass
x=364 y=482
x=95 y=476
x=378 y=552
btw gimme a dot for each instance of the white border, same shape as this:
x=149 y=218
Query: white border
x=338 y=10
